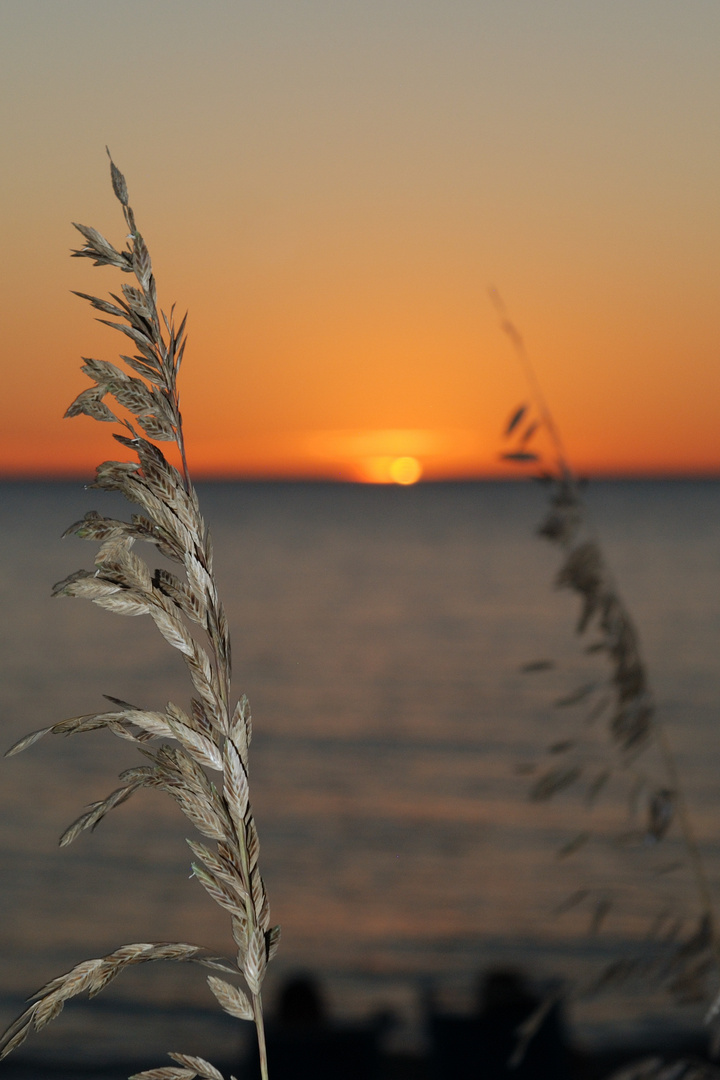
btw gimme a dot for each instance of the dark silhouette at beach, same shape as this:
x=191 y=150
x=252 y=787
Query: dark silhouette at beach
x=481 y=1046
x=304 y=1044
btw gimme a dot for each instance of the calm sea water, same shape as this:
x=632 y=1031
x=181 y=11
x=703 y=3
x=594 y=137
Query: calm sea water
x=379 y=633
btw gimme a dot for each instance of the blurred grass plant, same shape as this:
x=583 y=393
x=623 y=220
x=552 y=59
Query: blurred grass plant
x=681 y=950
x=202 y=759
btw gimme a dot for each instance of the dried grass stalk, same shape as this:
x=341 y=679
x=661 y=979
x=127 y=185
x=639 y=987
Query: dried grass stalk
x=212 y=735
x=685 y=961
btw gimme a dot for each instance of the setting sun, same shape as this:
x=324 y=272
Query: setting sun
x=406 y=470
x=386 y=469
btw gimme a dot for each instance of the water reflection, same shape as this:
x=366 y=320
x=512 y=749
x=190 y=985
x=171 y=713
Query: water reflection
x=379 y=634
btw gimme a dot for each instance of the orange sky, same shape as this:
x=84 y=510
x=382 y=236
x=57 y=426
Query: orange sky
x=330 y=187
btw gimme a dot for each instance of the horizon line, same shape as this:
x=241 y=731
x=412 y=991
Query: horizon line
x=203 y=476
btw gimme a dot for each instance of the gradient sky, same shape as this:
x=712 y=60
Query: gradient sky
x=331 y=185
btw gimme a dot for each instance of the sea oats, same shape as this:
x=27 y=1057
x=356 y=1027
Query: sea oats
x=231 y=999
x=687 y=961
x=213 y=735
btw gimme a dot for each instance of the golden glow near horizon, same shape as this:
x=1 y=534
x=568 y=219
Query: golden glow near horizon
x=330 y=189
x=392 y=455
x=388 y=470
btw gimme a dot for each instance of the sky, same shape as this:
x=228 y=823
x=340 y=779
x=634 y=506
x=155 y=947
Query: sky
x=330 y=187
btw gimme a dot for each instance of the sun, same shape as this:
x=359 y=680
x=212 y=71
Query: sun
x=405 y=470
x=386 y=469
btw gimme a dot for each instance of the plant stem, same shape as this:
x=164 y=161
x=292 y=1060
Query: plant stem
x=535 y=389
x=181 y=444
x=260 y=1025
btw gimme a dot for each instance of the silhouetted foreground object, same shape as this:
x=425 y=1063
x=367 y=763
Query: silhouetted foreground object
x=303 y=1044
x=479 y=1047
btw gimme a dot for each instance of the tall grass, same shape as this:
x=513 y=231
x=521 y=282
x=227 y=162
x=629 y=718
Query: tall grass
x=197 y=755
x=681 y=947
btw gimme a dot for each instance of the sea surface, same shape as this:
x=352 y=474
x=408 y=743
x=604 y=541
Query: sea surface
x=380 y=634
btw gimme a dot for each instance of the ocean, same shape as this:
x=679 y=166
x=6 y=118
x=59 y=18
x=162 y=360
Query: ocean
x=380 y=635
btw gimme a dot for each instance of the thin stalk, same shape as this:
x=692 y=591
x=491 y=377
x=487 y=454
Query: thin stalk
x=260 y=1027
x=535 y=389
x=181 y=447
